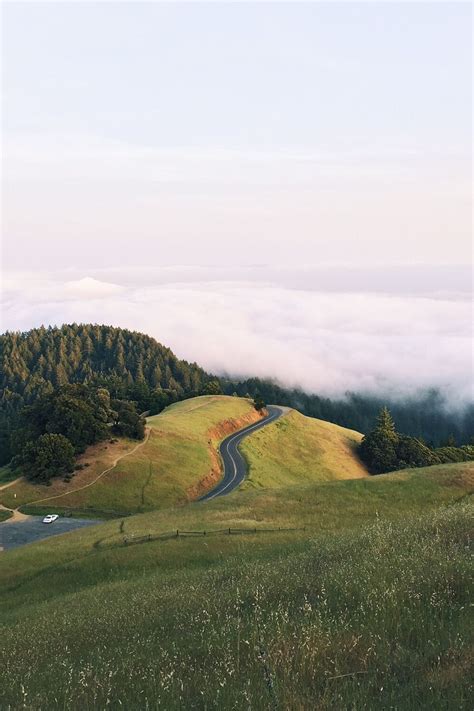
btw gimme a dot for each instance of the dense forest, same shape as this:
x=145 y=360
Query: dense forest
x=129 y=365
x=60 y=425
x=424 y=416
x=384 y=449
x=134 y=367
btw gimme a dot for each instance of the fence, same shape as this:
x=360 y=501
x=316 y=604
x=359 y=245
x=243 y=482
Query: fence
x=133 y=540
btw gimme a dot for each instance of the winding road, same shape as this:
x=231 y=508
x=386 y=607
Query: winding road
x=235 y=466
x=22 y=529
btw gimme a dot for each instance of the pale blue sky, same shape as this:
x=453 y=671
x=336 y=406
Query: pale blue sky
x=303 y=133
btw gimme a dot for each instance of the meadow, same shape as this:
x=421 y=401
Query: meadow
x=366 y=606
x=374 y=618
x=180 y=460
x=4 y=515
x=297 y=450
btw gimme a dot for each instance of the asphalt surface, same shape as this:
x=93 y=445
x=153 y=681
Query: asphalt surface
x=15 y=534
x=235 y=466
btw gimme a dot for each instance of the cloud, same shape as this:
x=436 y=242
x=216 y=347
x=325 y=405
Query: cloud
x=43 y=288
x=323 y=342
x=89 y=288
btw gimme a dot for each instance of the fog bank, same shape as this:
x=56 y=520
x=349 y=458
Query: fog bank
x=322 y=341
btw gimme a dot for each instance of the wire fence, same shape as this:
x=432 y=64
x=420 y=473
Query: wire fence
x=178 y=533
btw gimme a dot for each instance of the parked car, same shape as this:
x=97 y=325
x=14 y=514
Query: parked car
x=50 y=518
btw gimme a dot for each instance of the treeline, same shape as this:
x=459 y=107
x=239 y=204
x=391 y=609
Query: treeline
x=424 y=417
x=384 y=449
x=129 y=365
x=60 y=425
x=134 y=367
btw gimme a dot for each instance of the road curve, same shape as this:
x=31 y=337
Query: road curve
x=235 y=466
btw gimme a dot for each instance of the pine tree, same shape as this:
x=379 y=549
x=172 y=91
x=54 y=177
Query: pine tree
x=378 y=449
x=385 y=424
x=156 y=376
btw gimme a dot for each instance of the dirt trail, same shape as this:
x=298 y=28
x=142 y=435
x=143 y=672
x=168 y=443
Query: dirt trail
x=18 y=516
x=191 y=409
x=10 y=483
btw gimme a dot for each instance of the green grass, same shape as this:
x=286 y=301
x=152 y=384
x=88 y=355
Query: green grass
x=374 y=619
x=5 y=515
x=325 y=507
x=365 y=609
x=298 y=450
x=322 y=508
x=178 y=462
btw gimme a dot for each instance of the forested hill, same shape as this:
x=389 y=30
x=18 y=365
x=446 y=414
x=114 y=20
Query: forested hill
x=133 y=366
x=130 y=365
x=127 y=363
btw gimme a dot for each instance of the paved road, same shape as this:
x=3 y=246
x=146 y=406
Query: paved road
x=235 y=466
x=14 y=534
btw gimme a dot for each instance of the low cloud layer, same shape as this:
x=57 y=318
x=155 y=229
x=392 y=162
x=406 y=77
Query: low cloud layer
x=325 y=342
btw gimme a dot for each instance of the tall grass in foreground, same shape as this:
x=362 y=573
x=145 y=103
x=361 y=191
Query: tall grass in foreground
x=373 y=620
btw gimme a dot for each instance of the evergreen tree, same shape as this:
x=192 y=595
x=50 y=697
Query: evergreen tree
x=259 y=403
x=411 y=452
x=213 y=387
x=378 y=449
x=156 y=376
x=384 y=449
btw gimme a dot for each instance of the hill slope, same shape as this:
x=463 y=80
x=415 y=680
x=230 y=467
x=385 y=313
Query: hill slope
x=176 y=463
x=324 y=506
x=142 y=625
x=297 y=450
x=179 y=460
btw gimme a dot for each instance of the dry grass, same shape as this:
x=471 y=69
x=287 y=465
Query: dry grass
x=178 y=462
x=371 y=620
x=299 y=450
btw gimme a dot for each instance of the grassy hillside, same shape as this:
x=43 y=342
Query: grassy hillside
x=365 y=606
x=323 y=508
x=297 y=450
x=178 y=461
x=373 y=614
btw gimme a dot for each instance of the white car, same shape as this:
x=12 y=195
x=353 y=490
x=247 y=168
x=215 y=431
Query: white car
x=50 y=518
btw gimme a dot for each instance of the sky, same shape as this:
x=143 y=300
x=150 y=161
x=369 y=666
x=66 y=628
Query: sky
x=280 y=187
